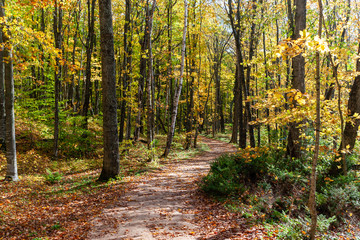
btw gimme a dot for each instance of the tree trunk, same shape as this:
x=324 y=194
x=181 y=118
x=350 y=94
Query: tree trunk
x=240 y=74
x=197 y=126
x=89 y=50
x=248 y=78
x=169 y=90
x=312 y=195
x=266 y=87
x=143 y=64
x=71 y=99
x=150 y=79
x=2 y=93
x=329 y=93
x=179 y=87
x=126 y=81
x=11 y=171
x=352 y=126
x=111 y=163
x=190 y=105
x=218 y=46
x=58 y=44
x=235 y=127
x=77 y=85
x=298 y=79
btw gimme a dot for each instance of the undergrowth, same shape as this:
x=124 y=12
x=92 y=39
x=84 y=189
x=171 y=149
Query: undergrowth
x=55 y=198
x=263 y=185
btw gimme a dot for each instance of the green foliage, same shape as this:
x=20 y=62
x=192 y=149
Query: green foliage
x=338 y=196
x=223 y=178
x=297 y=228
x=273 y=187
x=52 y=177
x=292 y=228
x=56 y=226
x=75 y=141
x=231 y=172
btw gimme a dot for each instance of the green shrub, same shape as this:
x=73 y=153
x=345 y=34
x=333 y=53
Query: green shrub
x=292 y=228
x=229 y=173
x=336 y=198
x=52 y=177
x=56 y=226
x=297 y=228
x=223 y=178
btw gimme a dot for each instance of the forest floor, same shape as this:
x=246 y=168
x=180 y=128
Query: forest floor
x=166 y=204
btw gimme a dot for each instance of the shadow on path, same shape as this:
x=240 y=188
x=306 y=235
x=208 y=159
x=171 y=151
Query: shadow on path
x=163 y=205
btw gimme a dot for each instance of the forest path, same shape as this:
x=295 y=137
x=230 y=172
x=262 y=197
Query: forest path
x=164 y=204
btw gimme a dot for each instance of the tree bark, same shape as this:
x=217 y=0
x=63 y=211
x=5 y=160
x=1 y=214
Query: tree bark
x=179 y=87
x=248 y=78
x=351 y=127
x=141 y=85
x=298 y=79
x=89 y=46
x=2 y=93
x=190 y=106
x=58 y=44
x=126 y=81
x=240 y=73
x=150 y=79
x=218 y=46
x=329 y=93
x=170 y=81
x=235 y=127
x=11 y=171
x=71 y=95
x=312 y=195
x=111 y=163
x=266 y=87
x=197 y=126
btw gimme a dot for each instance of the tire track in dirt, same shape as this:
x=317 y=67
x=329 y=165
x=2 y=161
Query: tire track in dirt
x=161 y=205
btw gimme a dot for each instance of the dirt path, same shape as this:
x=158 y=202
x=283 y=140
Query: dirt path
x=162 y=205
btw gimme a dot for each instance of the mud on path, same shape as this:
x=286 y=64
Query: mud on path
x=163 y=204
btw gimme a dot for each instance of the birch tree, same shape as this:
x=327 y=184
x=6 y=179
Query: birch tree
x=11 y=172
x=178 y=87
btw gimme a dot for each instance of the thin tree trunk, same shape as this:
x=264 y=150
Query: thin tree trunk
x=89 y=50
x=143 y=64
x=190 y=98
x=235 y=127
x=97 y=98
x=2 y=92
x=169 y=88
x=126 y=75
x=248 y=78
x=77 y=86
x=71 y=99
x=179 y=87
x=266 y=87
x=58 y=44
x=198 y=77
x=329 y=93
x=150 y=80
x=312 y=196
